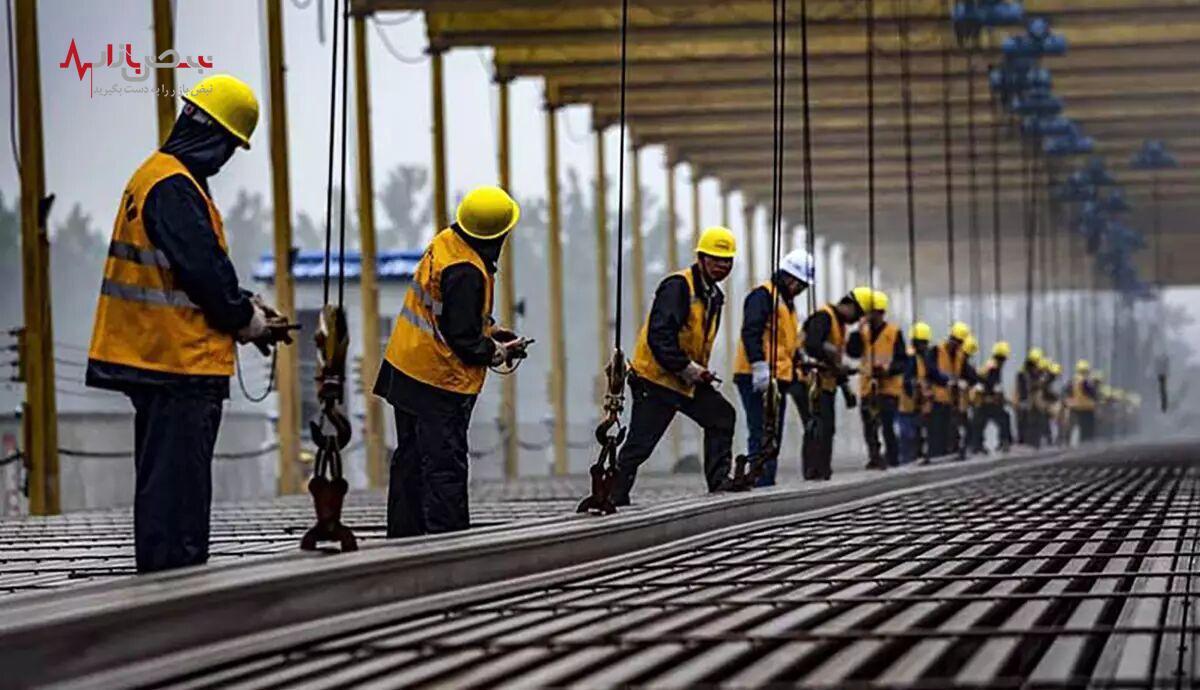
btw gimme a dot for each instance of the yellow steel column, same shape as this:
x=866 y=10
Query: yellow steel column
x=672 y=220
x=441 y=213
x=558 y=353
x=696 y=177
x=601 y=206
x=748 y=211
x=41 y=419
x=287 y=359
x=373 y=433
x=508 y=293
x=164 y=77
x=637 y=257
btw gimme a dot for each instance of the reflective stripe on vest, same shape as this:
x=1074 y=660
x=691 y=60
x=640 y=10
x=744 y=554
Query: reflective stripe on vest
x=785 y=339
x=695 y=339
x=879 y=353
x=416 y=347
x=143 y=320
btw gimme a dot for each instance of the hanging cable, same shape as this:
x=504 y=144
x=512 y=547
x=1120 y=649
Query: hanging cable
x=997 y=283
x=975 y=253
x=1027 y=208
x=909 y=191
x=333 y=69
x=870 y=27
x=948 y=155
x=810 y=234
x=341 y=285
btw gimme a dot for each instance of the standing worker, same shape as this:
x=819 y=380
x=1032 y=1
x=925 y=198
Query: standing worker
x=950 y=361
x=669 y=372
x=760 y=333
x=1049 y=407
x=991 y=401
x=879 y=347
x=824 y=346
x=916 y=402
x=1024 y=397
x=169 y=313
x=436 y=361
x=968 y=404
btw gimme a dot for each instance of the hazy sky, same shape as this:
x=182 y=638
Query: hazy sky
x=94 y=142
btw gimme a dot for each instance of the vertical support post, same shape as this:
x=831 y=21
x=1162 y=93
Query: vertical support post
x=558 y=357
x=40 y=410
x=376 y=467
x=748 y=214
x=727 y=318
x=287 y=359
x=508 y=291
x=441 y=213
x=164 y=77
x=637 y=258
x=696 y=227
x=672 y=219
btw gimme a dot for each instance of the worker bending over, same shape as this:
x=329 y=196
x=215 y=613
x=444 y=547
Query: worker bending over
x=1082 y=401
x=1029 y=381
x=879 y=347
x=769 y=325
x=916 y=400
x=436 y=361
x=825 y=334
x=991 y=409
x=169 y=313
x=950 y=361
x=669 y=372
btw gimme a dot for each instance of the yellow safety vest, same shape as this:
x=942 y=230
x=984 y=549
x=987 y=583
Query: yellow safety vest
x=695 y=339
x=416 y=347
x=1079 y=399
x=837 y=338
x=908 y=403
x=143 y=318
x=951 y=367
x=996 y=397
x=785 y=341
x=879 y=353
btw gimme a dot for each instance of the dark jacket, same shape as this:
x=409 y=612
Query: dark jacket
x=177 y=223
x=757 y=311
x=461 y=323
x=669 y=313
x=932 y=375
x=817 y=328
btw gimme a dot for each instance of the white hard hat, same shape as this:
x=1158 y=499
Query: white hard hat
x=798 y=264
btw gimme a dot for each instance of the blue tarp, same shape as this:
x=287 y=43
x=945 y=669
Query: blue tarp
x=309 y=266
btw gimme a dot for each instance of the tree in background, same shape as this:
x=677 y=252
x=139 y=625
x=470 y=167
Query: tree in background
x=77 y=253
x=405 y=200
x=248 y=231
x=10 y=263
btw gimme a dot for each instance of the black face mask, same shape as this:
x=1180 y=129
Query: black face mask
x=201 y=145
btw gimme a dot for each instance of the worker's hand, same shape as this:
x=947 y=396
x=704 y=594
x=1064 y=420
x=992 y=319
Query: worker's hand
x=257 y=328
x=695 y=374
x=510 y=351
x=760 y=376
x=503 y=335
x=271 y=312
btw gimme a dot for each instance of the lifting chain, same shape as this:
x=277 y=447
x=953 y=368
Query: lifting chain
x=331 y=433
x=610 y=434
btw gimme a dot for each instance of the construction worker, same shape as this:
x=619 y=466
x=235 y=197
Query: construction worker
x=916 y=400
x=769 y=326
x=963 y=426
x=879 y=347
x=436 y=361
x=669 y=371
x=1049 y=400
x=991 y=401
x=169 y=314
x=1024 y=397
x=824 y=347
x=950 y=361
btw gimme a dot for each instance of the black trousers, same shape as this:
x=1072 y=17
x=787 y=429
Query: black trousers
x=817 y=453
x=798 y=390
x=1085 y=421
x=988 y=413
x=885 y=421
x=175 y=431
x=427 y=483
x=653 y=409
x=941 y=421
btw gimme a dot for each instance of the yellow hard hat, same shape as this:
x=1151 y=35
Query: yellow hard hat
x=1035 y=355
x=1001 y=349
x=960 y=331
x=879 y=300
x=864 y=297
x=1055 y=368
x=1098 y=375
x=922 y=331
x=487 y=213
x=1082 y=366
x=970 y=345
x=1106 y=390
x=717 y=241
x=230 y=102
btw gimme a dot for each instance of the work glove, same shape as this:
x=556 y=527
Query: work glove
x=695 y=374
x=760 y=376
x=257 y=328
x=503 y=335
x=509 y=351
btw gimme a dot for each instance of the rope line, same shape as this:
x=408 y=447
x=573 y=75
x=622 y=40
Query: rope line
x=975 y=250
x=345 y=18
x=780 y=78
x=996 y=237
x=947 y=144
x=909 y=184
x=329 y=173
x=621 y=177
x=810 y=231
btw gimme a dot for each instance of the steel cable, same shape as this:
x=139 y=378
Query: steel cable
x=948 y=156
x=810 y=231
x=909 y=186
x=621 y=177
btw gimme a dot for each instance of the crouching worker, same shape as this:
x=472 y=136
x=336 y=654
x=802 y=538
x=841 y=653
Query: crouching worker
x=769 y=326
x=169 y=313
x=436 y=361
x=669 y=371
